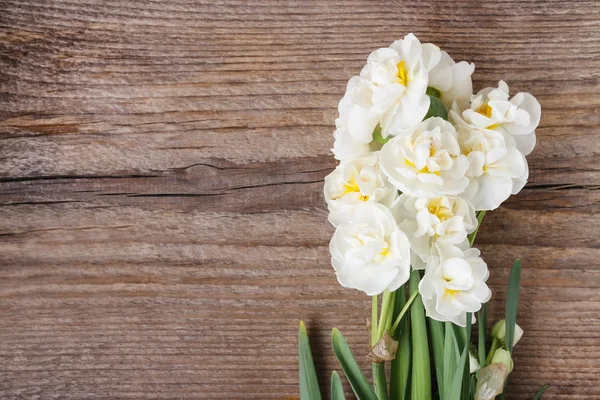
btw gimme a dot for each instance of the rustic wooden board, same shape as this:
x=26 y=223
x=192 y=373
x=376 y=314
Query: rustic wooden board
x=162 y=227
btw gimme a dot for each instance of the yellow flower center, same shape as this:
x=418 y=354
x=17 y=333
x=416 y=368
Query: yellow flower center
x=424 y=170
x=486 y=110
x=450 y=292
x=402 y=74
x=440 y=210
x=384 y=252
x=352 y=187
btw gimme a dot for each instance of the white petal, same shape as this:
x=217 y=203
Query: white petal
x=492 y=191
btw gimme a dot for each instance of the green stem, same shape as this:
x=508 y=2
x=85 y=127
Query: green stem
x=473 y=235
x=421 y=372
x=399 y=370
x=495 y=345
x=386 y=313
x=380 y=381
x=482 y=334
x=373 y=320
x=404 y=309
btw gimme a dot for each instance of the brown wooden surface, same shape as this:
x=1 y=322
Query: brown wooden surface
x=162 y=224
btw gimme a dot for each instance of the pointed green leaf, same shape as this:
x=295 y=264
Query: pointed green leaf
x=457 y=380
x=360 y=385
x=451 y=355
x=309 y=386
x=540 y=392
x=512 y=301
x=337 y=390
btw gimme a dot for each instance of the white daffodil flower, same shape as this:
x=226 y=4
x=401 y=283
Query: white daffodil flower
x=353 y=182
x=430 y=221
x=427 y=161
x=491 y=109
x=358 y=114
x=451 y=79
x=399 y=80
x=454 y=285
x=345 y=147
x=369 y=252
x=496 y=170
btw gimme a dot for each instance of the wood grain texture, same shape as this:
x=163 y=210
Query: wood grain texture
x=162 y=224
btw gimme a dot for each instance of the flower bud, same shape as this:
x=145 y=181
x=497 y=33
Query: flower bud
x=502 y=356
x=499 y=332
x=490 y=382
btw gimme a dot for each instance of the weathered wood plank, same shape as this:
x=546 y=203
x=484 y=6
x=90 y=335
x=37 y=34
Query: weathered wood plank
x=161 y=206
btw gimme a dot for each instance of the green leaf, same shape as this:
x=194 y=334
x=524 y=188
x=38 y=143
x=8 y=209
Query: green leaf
x=482 y=333
x=457 y=380
x=421 y=373
x=512 y=300
x=436 y=109
x=360 y=385
x=461 y=335
x=377 y=135
x=337 y=390
x=433 y=92
x=473 y=387
x=466 y=387
x=436 y=331
x=400 y=368
x=540 y=392
x=451 y=354
x=309 y=386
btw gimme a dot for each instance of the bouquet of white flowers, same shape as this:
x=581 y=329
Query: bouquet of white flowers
x=421 y=161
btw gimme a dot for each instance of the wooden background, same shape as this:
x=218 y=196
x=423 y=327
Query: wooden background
x=162 y=224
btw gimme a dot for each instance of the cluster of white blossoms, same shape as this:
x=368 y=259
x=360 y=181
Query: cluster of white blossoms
x=420 y=155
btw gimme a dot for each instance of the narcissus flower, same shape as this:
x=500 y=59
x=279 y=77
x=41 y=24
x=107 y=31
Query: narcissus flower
x=346 y=147
x=454 y=285
x=406 y=191
x=399 y=78
x=427 y=161
x=369 y=252
x=358 y=114
x=496 y=169
x=442 y=220
x=491 y=109
x=353 y=182
x=451 y=79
